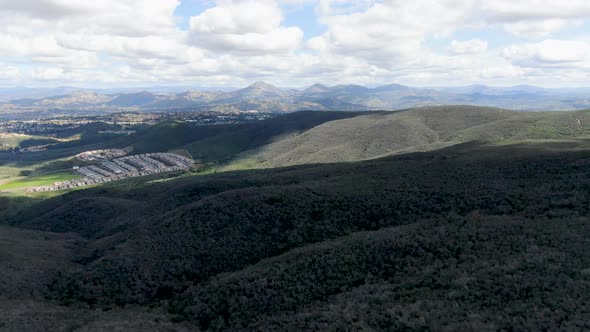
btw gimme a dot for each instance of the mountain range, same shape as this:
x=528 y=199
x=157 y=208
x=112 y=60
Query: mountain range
x=265 y=97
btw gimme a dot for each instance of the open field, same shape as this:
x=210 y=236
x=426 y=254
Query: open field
x=41 y=180
x=23 y=141
x=17 y=176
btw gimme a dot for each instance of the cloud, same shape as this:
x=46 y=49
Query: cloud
x=71 y=35
x=550 y=53
x=237 y=41
x=502 y=72
x=535 y=18
x=472 y=46
x=118 y=17
x=48 y=74
x=44 y=9
x=391 y=31
x=244 y=27
x=9 y=73
x=539 y=29
x=523 y=10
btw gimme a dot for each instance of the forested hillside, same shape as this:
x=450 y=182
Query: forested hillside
x=473 y=236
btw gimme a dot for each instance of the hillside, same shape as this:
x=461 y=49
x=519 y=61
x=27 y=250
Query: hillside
x=222 y=142
x=375 y=134
x=297 y=138
x=470 y=236
x=322 y=137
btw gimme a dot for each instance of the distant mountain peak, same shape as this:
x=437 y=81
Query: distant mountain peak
x=133 y=99
x=391 y=87
x=263 y=85
x=82 y=93
x=260 y=89
x=140 y=93
x=316 y=88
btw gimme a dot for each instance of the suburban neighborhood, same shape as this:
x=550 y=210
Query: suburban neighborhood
x=107 y=170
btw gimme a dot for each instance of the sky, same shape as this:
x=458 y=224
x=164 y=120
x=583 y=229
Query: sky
x=294 y=43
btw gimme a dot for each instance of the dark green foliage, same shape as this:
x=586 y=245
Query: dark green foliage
x=484 y=238
x=476 y=272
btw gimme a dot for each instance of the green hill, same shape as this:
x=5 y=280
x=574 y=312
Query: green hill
x=219 y=142
x=472 y=236
x=323 y=137
x=419 y=129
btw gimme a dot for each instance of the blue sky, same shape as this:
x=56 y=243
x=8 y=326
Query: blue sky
x=294 y=42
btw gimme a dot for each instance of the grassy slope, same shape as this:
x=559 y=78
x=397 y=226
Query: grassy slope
x=10 y=140
x=16 y=177
x=41 y=180
x=500 y=239
x=418 y=129
x=228 y=142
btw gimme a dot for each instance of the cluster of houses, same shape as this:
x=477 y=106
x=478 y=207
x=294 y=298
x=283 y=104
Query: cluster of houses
x=15 y=149
x=36 y=148
x=101 y=154
x=117 y=132
x=120 y=168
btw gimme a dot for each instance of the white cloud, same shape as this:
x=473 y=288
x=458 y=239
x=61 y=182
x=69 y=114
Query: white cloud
x=121 y=17
x=390 y=31
x=244 y=27
x=238 y=17
x=550 y=53
x=539 y=29
x=48 y=74
x=472 y=46
x=238 y=41
x=535 y=18
x=512 y=11
x=502 y=72
x=9 y=73
x=70 y=33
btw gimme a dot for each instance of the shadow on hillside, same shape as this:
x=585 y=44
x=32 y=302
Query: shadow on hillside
x=10 y=203
x=222 y=143
x=477 y=150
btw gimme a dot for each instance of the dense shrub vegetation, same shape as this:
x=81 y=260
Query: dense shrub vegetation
x=468 y=237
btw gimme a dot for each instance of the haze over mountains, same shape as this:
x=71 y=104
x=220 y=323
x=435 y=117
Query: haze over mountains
x=265 y=97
